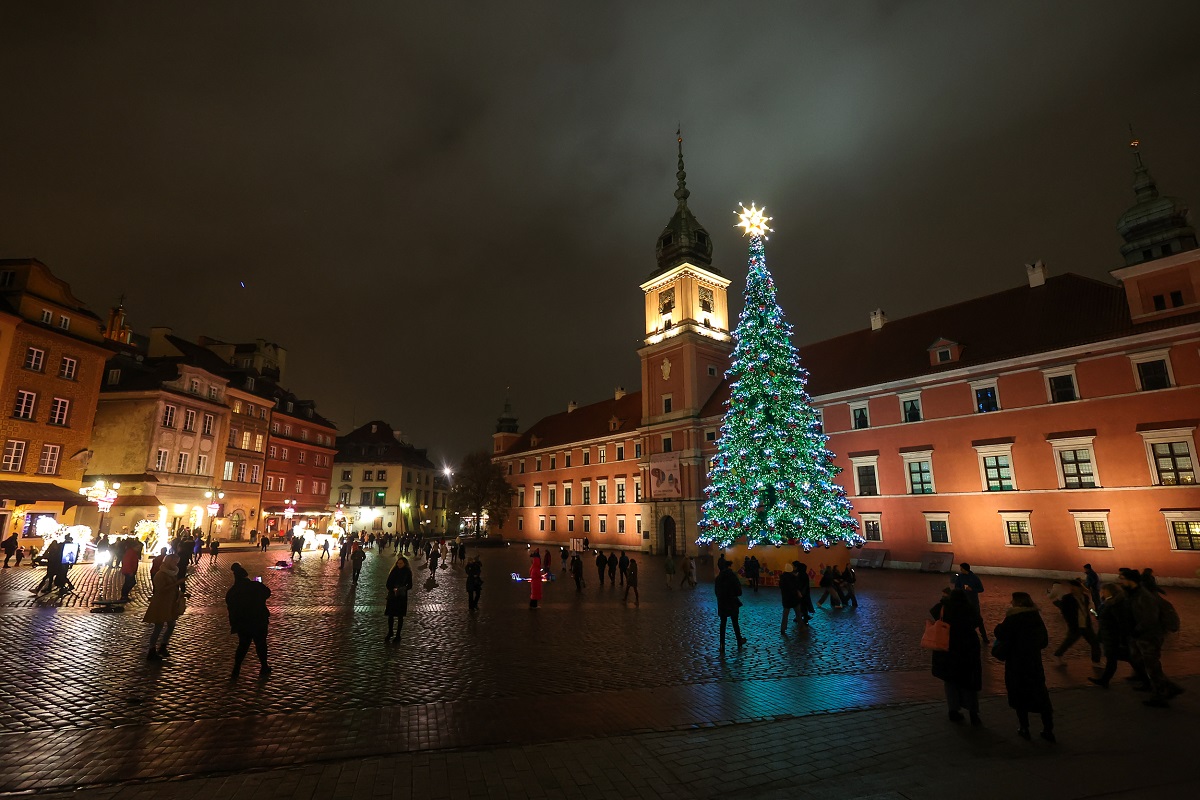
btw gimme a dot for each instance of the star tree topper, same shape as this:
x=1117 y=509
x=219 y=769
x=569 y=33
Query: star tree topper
x=753 y=221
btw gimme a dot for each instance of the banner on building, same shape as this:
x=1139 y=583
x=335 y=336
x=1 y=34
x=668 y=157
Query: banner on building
x=664 y=476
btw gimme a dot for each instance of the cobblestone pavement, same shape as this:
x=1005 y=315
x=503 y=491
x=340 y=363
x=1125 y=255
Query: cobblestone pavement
x=81 y=706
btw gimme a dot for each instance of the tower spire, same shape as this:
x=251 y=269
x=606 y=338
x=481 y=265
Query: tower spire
x=1154 y=226
x=681 y=193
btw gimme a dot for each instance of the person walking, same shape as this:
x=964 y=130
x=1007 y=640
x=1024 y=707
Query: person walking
x=165 y=607
x=1150 y=583
x=612 y=569
x=961 y=667
x=564 y=557
x=357 y=557
x=788 y=596
x=689 y=573
x=623 y=567
x=1147 y=636
x=264 y=542
x=129 y=567
x=214 y=548
x=344 y=552
x=1020 y=639
x=1092 y=581
x=728 y=589
x=829 y=584
x=326 y=548
x=399 y=582
x=803 y=590
x=577 y=572
x=1077 y=613
x=669 y=569
x=849 y=578
x=435 y=555
x=535 y=579
x=1116 y=625
x=754 y=573
x=631 y=582
x=601 y=565
x=248 y=618
x=548 y=560
x=10 y=548
x=970 y=582
x=52 y=558
x=474 y=570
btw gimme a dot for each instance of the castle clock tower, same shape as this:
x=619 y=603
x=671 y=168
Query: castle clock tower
x=684 y=358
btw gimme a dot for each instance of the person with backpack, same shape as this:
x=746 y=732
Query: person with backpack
x=1116 y=624
x=1153 y=618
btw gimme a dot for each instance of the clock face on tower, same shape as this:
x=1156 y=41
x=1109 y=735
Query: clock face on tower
x=666 y=301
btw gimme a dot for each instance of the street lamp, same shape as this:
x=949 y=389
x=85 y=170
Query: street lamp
x=213 y=507
x=103 y=496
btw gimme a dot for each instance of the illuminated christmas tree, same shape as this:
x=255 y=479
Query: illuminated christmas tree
x=772 y=480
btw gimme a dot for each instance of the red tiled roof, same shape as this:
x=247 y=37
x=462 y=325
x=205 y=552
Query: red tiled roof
x=585 y=422
x=1066 y=311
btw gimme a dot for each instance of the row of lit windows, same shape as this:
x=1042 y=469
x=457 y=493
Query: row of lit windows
x=551 y=493
x=378 y=497
x=279 y=483
x=170 y=416
x=1171 y=460
x=1152 y=370
x=381 y=475
x=283 y=429
x=586 y=453
x=1091 y=530
x=35 y=361
x=283 y=454
x=14 y=457
x=586 y=523
x=25 y=408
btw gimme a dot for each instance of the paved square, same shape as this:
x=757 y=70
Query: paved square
x=582 y=683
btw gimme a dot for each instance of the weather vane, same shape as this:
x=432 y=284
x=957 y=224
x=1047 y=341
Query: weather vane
x=753 y=221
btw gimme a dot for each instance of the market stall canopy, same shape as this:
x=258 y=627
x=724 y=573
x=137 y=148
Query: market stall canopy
x=23 y=492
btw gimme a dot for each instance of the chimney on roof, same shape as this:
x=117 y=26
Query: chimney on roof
x=878 y=319
x=619 y=393
x=571 y=406
x=1036 y=272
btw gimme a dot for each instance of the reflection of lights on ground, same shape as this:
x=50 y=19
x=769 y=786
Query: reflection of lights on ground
x=547 y=577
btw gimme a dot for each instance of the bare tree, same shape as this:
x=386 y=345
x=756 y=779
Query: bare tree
x=480 y=485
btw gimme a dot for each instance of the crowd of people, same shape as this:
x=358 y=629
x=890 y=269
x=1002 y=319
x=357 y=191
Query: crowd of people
x=1123 y=621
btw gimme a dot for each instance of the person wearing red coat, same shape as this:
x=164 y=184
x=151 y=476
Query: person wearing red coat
x=535 y=580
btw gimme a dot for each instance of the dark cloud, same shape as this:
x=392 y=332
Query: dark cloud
x=431 y=202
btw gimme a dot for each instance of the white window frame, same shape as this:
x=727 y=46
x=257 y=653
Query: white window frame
x=568 y=493
x=585 y=493
x=183 y=462
x=47 y=315
x=114 y=376
x=201 y=464
x=60 y=410
x=542 y=522
x=620 y=523
x=537 y=495
x=167 y=420
x=1059 y=372
x=637 y=523
x=863 y=406
x=1162 y=436
x=21 y=406
x=1076 y=443
x=601 y=492
x=602 y=454
x=551 y=495
x=987 y=383
x=912 y=457
x=908 y=397
x=1091 y=516
x=1170 y=517
x=15 y=463
x=241 y=472
x=619 y=493
x=35 y=359
x=68 y=368
x=162 y=459
x=865 y=461
x=938 y=516
x=227 y=472
x=64 y=322
x=984 y=451
x=602 y=524
x=570 y=523
x=189 y=420
x=537 y=464
x=876 y=517
x=48 y=460
x=1016 y=516
x=637 y=490
x=1162 y=354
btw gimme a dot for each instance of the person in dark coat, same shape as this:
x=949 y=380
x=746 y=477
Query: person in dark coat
x=1116 y=625
x=1147 y=636
x=474 y=570
x=829 y=582
x=399 y=582
x=1021 y=638
x=577 y=572
x=623 y=566
x=1076 y=610
x=803 y=590
x=788 y=596
x=970 y=583
x=601 y=565
x=248 y=617
x=960 y=668
x=728 y=589
x=1092 y=581
x=612 y=568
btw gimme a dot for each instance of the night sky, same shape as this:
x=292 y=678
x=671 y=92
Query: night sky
x=431 y=202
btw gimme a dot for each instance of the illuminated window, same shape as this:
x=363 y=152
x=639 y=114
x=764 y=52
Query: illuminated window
x=23 y=409
x=14 y=456
x=34 y=359
x=48 y=463
x=59 y=407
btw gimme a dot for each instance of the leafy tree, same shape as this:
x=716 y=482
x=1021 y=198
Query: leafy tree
x=480 y=485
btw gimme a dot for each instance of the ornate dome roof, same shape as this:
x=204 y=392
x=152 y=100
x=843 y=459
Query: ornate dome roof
x=684 y=238
x=1155 y=225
